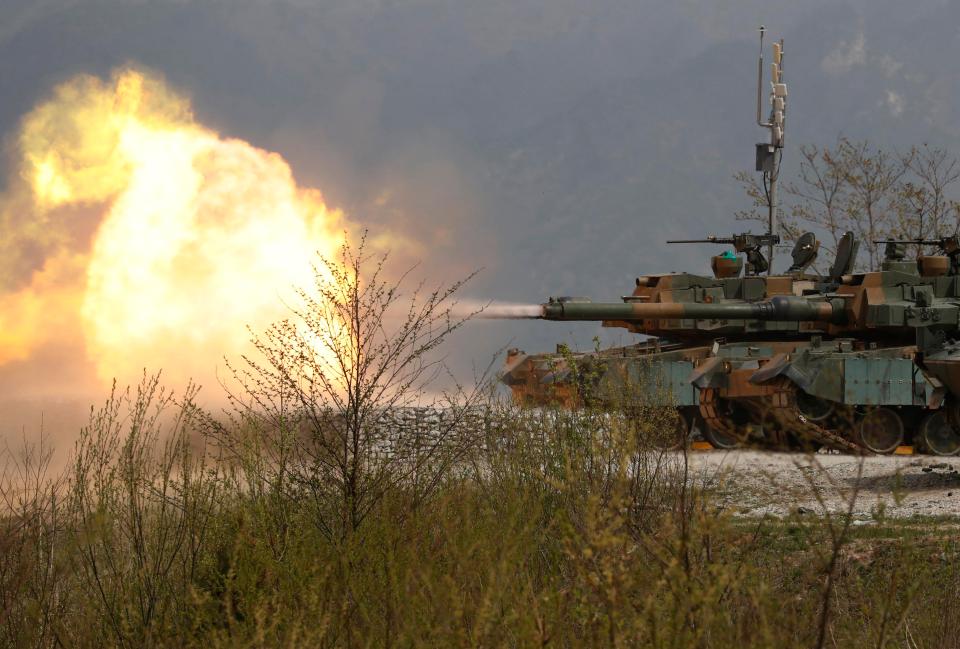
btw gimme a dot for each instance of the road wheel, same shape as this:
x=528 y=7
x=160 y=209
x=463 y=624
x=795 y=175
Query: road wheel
x=881 y=430
x=937 y=436
x=720 y=439
x=813 y=408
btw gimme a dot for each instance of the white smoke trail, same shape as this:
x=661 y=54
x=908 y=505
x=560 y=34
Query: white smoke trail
x=497 y=310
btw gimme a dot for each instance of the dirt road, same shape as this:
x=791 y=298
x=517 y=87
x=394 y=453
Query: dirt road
x=759 y=482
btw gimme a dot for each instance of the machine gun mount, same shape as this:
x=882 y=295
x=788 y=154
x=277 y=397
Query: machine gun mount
x=746 y=243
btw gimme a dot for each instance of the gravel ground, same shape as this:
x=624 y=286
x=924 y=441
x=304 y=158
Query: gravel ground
x=759 y=482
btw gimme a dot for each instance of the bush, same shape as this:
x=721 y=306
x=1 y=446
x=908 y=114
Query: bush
x=303 y=517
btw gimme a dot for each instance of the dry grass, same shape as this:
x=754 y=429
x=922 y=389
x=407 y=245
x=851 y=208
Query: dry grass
x=312 y=517
x=559 y=529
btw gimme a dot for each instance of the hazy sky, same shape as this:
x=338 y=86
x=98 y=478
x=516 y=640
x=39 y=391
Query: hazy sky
x=555 y=143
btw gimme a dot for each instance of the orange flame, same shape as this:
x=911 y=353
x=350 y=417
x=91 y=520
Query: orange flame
x=194 y=236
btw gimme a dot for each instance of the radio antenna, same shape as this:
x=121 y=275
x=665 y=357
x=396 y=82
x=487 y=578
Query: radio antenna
x=769 y=153
x=760 y=121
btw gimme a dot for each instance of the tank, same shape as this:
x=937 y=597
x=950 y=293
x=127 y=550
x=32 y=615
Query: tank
x=862 y=362
x=859 y=362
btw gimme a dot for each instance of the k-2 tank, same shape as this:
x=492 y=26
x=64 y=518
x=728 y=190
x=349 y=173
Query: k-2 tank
x=851 y=361
x=859 y=362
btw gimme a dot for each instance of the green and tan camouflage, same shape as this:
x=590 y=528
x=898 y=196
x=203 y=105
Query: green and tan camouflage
x=860 y=362
x=852 y=360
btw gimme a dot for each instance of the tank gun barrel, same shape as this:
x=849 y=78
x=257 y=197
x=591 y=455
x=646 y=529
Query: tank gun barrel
x=781 y=308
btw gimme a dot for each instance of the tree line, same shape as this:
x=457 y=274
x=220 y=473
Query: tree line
x=871 y=191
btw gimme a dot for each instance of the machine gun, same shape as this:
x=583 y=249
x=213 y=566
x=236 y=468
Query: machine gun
x=749 y=244
x=949 y=246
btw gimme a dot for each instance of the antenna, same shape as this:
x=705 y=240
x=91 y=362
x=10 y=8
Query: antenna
x=760 y=79
x=769 y=154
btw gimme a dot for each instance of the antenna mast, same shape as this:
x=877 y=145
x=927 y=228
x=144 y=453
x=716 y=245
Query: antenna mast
x=769 y=154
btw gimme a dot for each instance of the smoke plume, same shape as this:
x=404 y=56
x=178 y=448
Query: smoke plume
x=499 y=310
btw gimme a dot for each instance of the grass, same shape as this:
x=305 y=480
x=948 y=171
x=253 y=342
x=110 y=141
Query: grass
x=554 y=529
x=320 y=511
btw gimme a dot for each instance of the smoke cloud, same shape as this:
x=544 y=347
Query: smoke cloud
x=503 y=311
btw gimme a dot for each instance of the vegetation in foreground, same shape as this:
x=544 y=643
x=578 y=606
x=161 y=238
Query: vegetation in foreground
x=324 y=510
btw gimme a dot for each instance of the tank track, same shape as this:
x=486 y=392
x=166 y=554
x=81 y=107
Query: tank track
x=782 y=406
x=784 y=402
x=714 y=418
